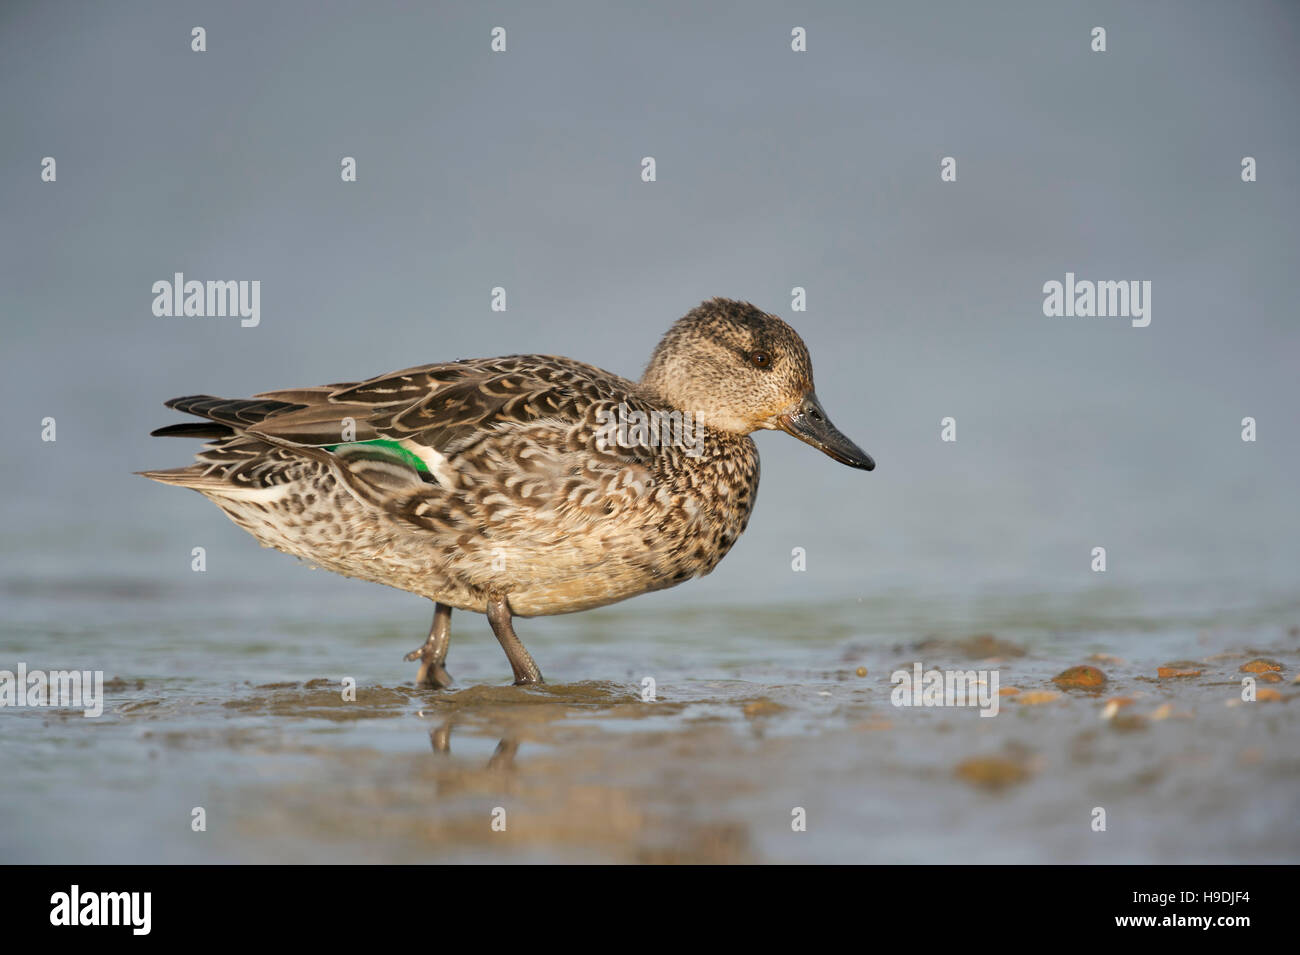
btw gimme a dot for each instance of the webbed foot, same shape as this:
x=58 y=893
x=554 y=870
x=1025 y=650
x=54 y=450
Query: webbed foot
x=432 y=654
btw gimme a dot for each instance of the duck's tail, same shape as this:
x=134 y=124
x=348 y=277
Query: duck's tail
x=181 y=477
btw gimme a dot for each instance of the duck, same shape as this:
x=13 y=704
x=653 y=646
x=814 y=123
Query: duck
x=518 y=486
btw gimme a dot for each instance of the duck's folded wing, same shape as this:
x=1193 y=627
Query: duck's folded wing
x=514 y=448
x=445 y=408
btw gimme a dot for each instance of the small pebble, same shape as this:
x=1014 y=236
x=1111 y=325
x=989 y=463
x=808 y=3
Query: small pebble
x=861 y=671
x=1114 y=704
x=876 y=724
x=991 y=772
x=1128 y=722
x=1037 y=696
x=1260 y=665
x=1080 y=678
x=1106 y=658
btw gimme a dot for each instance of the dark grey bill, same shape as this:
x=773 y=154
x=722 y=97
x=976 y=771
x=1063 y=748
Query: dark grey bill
x=810 y=425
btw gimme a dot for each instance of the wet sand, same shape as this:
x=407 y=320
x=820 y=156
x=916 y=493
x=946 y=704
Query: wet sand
x=711 y=771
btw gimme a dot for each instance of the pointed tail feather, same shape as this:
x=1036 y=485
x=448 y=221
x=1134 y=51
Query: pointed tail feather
x=191 y=477
x=193 y=429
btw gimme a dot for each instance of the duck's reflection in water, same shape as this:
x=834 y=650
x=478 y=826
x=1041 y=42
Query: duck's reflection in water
x=502 y=758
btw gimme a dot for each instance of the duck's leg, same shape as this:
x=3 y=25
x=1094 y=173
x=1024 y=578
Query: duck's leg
x=433 y=654
x=498 y=614
x=440 y=738
x=504 y=757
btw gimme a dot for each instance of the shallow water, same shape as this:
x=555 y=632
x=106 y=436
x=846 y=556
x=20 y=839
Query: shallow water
x=236 y=707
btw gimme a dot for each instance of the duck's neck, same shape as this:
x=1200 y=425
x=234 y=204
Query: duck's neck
x=673 y=388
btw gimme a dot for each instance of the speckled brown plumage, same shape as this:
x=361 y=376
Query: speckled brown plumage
x=497 y=478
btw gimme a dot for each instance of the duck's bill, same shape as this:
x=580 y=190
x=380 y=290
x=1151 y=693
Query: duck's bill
x=810 y=425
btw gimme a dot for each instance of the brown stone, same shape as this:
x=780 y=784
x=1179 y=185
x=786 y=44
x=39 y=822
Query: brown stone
x=1080 y=678
x=1128 y=722
x=1260 y=665
x=1037 y=696
x=762 y=708
x=992 y=772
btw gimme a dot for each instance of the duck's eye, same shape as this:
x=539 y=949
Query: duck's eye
x=761 y=359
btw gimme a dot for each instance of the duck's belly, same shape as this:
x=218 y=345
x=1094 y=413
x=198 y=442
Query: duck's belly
x=546 y=574
x=584 y=591
x=597 y=570
x=328 y=528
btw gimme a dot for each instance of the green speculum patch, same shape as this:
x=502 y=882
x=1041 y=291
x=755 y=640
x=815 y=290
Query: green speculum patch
x=385 y=447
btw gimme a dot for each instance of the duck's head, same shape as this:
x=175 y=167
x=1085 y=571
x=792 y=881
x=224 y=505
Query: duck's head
x=738 y=369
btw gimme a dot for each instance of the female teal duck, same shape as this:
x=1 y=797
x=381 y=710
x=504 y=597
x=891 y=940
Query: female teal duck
x=518 y=486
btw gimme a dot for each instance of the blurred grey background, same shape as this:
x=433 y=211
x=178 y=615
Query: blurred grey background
x=775 y=169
